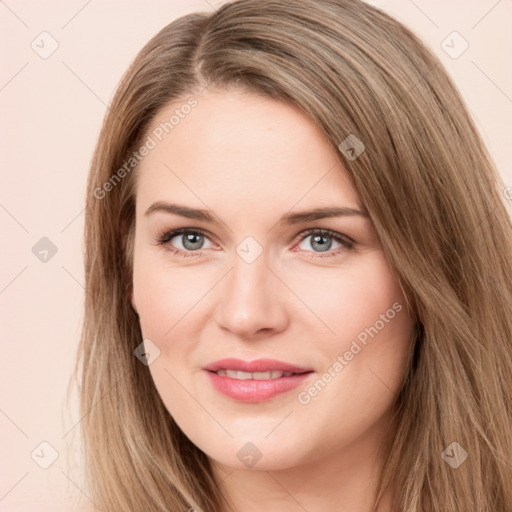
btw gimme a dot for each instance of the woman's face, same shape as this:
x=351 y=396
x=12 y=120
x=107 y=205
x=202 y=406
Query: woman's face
x=253 y=277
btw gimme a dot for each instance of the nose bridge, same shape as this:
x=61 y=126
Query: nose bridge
x=249 y=299
x=249 y=279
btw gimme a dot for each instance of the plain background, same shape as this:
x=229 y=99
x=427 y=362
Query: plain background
x=51 y=112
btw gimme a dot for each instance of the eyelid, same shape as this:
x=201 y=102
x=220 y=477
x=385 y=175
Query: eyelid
x=168 y=235
x=342 y=238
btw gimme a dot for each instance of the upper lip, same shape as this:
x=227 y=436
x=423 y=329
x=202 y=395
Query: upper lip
x=259 y=365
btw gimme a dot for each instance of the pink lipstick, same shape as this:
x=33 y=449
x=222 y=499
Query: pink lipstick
x=255 y=381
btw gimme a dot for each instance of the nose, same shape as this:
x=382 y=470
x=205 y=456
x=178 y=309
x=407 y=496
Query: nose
x=252 y=301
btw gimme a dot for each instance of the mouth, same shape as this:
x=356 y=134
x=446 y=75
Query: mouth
x=268 y=375
x=255 y=381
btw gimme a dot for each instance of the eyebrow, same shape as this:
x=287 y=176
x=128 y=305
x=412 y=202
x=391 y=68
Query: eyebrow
x=287 y=219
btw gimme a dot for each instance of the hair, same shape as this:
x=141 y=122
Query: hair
x=433 y=194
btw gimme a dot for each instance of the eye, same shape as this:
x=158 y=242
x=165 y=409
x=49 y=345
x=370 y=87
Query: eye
x=321 y=241
x=191 y=240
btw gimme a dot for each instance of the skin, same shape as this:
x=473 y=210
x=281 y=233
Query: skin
x=249 y=160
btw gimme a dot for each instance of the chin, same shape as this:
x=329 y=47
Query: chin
x=259 y=454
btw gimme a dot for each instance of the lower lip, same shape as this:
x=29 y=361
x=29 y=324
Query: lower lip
x=251 y=390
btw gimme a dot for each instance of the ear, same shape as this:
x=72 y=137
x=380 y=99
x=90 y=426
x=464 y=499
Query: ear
x=132 y=300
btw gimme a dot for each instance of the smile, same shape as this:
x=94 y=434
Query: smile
x=239 y=375
x=255 y=386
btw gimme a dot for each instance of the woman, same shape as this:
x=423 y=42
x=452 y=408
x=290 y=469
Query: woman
x=298 y=272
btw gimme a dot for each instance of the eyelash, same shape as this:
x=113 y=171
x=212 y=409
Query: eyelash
x=345 y=241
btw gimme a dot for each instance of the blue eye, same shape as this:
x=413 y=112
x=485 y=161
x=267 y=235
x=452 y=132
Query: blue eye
x=192 y=241
x=322 y=241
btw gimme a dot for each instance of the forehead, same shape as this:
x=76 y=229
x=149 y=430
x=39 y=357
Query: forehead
x=242 y=150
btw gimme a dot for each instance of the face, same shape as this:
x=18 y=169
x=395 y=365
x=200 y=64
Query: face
x=305 y=309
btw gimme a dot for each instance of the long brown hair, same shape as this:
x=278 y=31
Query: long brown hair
x=433 y=194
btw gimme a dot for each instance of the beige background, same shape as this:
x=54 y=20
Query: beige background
x=51 y=111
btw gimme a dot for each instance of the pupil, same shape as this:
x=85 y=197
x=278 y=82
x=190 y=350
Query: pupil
x=188 y=241
x=323 y=246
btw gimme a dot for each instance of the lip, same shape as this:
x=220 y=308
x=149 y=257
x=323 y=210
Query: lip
x=259 y=365
x=252 y=390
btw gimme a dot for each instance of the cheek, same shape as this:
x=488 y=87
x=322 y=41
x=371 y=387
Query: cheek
x=364 y=362
x=168 y=300
x=167 y=297
x=368 y=332
x=347 y=300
